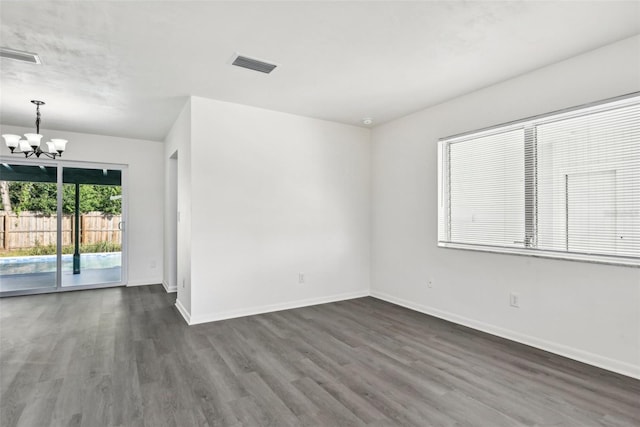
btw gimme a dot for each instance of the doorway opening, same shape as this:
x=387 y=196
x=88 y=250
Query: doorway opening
x=172 y=223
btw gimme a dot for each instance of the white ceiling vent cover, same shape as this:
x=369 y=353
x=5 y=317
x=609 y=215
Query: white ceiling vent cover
x=253 y=64
x=19 y=55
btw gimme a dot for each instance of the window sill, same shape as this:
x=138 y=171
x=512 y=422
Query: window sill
x=596 y=259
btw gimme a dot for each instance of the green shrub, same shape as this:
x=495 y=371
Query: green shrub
x=51 y=249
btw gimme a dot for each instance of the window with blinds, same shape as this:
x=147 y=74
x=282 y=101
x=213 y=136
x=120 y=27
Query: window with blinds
x=563 y=185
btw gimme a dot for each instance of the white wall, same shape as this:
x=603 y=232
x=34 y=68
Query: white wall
x=178 y=144
x=590 y=312
x=274 y=195
x=145 y=198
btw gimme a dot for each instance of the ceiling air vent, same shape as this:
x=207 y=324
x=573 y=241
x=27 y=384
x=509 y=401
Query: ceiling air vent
x=19 y=55
x=253 y=64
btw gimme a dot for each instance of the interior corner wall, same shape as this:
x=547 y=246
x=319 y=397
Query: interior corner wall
x=589 y=312
x=177 y=213
x=145 y=198
x=275 y=195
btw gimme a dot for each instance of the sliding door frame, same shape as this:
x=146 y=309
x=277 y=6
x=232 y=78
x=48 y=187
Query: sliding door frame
x=124 y=185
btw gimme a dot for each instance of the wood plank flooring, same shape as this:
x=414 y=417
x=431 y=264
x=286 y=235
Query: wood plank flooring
x=125 y=357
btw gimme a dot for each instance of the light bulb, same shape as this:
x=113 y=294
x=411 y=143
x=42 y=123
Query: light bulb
x=24 y=146
x=60 y=144
x=34 y=139
x=12 y=141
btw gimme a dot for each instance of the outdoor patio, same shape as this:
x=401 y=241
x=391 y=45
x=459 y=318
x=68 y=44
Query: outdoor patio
x=30 y=281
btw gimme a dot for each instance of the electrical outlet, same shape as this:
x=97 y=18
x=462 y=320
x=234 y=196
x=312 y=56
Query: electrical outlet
x=429 y=283
x=514 y=300
x=300 y=277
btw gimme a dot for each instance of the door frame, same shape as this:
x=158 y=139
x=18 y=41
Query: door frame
x=60 y=164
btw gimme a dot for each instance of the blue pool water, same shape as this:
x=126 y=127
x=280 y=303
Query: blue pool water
x=47 y=263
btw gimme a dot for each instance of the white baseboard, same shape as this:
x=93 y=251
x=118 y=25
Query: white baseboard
x=183 y=311
x=212 y=317
x=609 y=364
x=169 y=289
x=144 y=282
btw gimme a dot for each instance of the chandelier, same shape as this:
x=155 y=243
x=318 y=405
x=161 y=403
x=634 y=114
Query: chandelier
x=31 y=145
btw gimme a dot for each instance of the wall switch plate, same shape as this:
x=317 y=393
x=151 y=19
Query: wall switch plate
x=429 y=283
x=300 y=277
x=514 y=300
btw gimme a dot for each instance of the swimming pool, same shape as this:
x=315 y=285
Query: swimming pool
x=47 y=263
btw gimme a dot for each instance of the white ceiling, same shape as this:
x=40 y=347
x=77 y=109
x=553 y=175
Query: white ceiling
x=124 y=68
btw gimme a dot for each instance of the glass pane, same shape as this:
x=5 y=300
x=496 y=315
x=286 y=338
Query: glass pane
x=486 y=190
x=28 y=227
x=588 y=175
x=91 y=235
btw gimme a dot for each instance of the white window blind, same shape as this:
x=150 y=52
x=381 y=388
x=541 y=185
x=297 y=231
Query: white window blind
x=562 y=185
x=487 y=203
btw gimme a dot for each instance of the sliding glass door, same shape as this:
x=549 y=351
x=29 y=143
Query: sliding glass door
x=61 y=227
x=28 y=228
x=93 y=199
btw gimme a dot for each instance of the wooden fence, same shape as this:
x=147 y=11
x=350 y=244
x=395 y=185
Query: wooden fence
x=32 y=229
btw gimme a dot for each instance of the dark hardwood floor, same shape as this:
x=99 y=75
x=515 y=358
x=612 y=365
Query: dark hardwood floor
x=125 y=357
